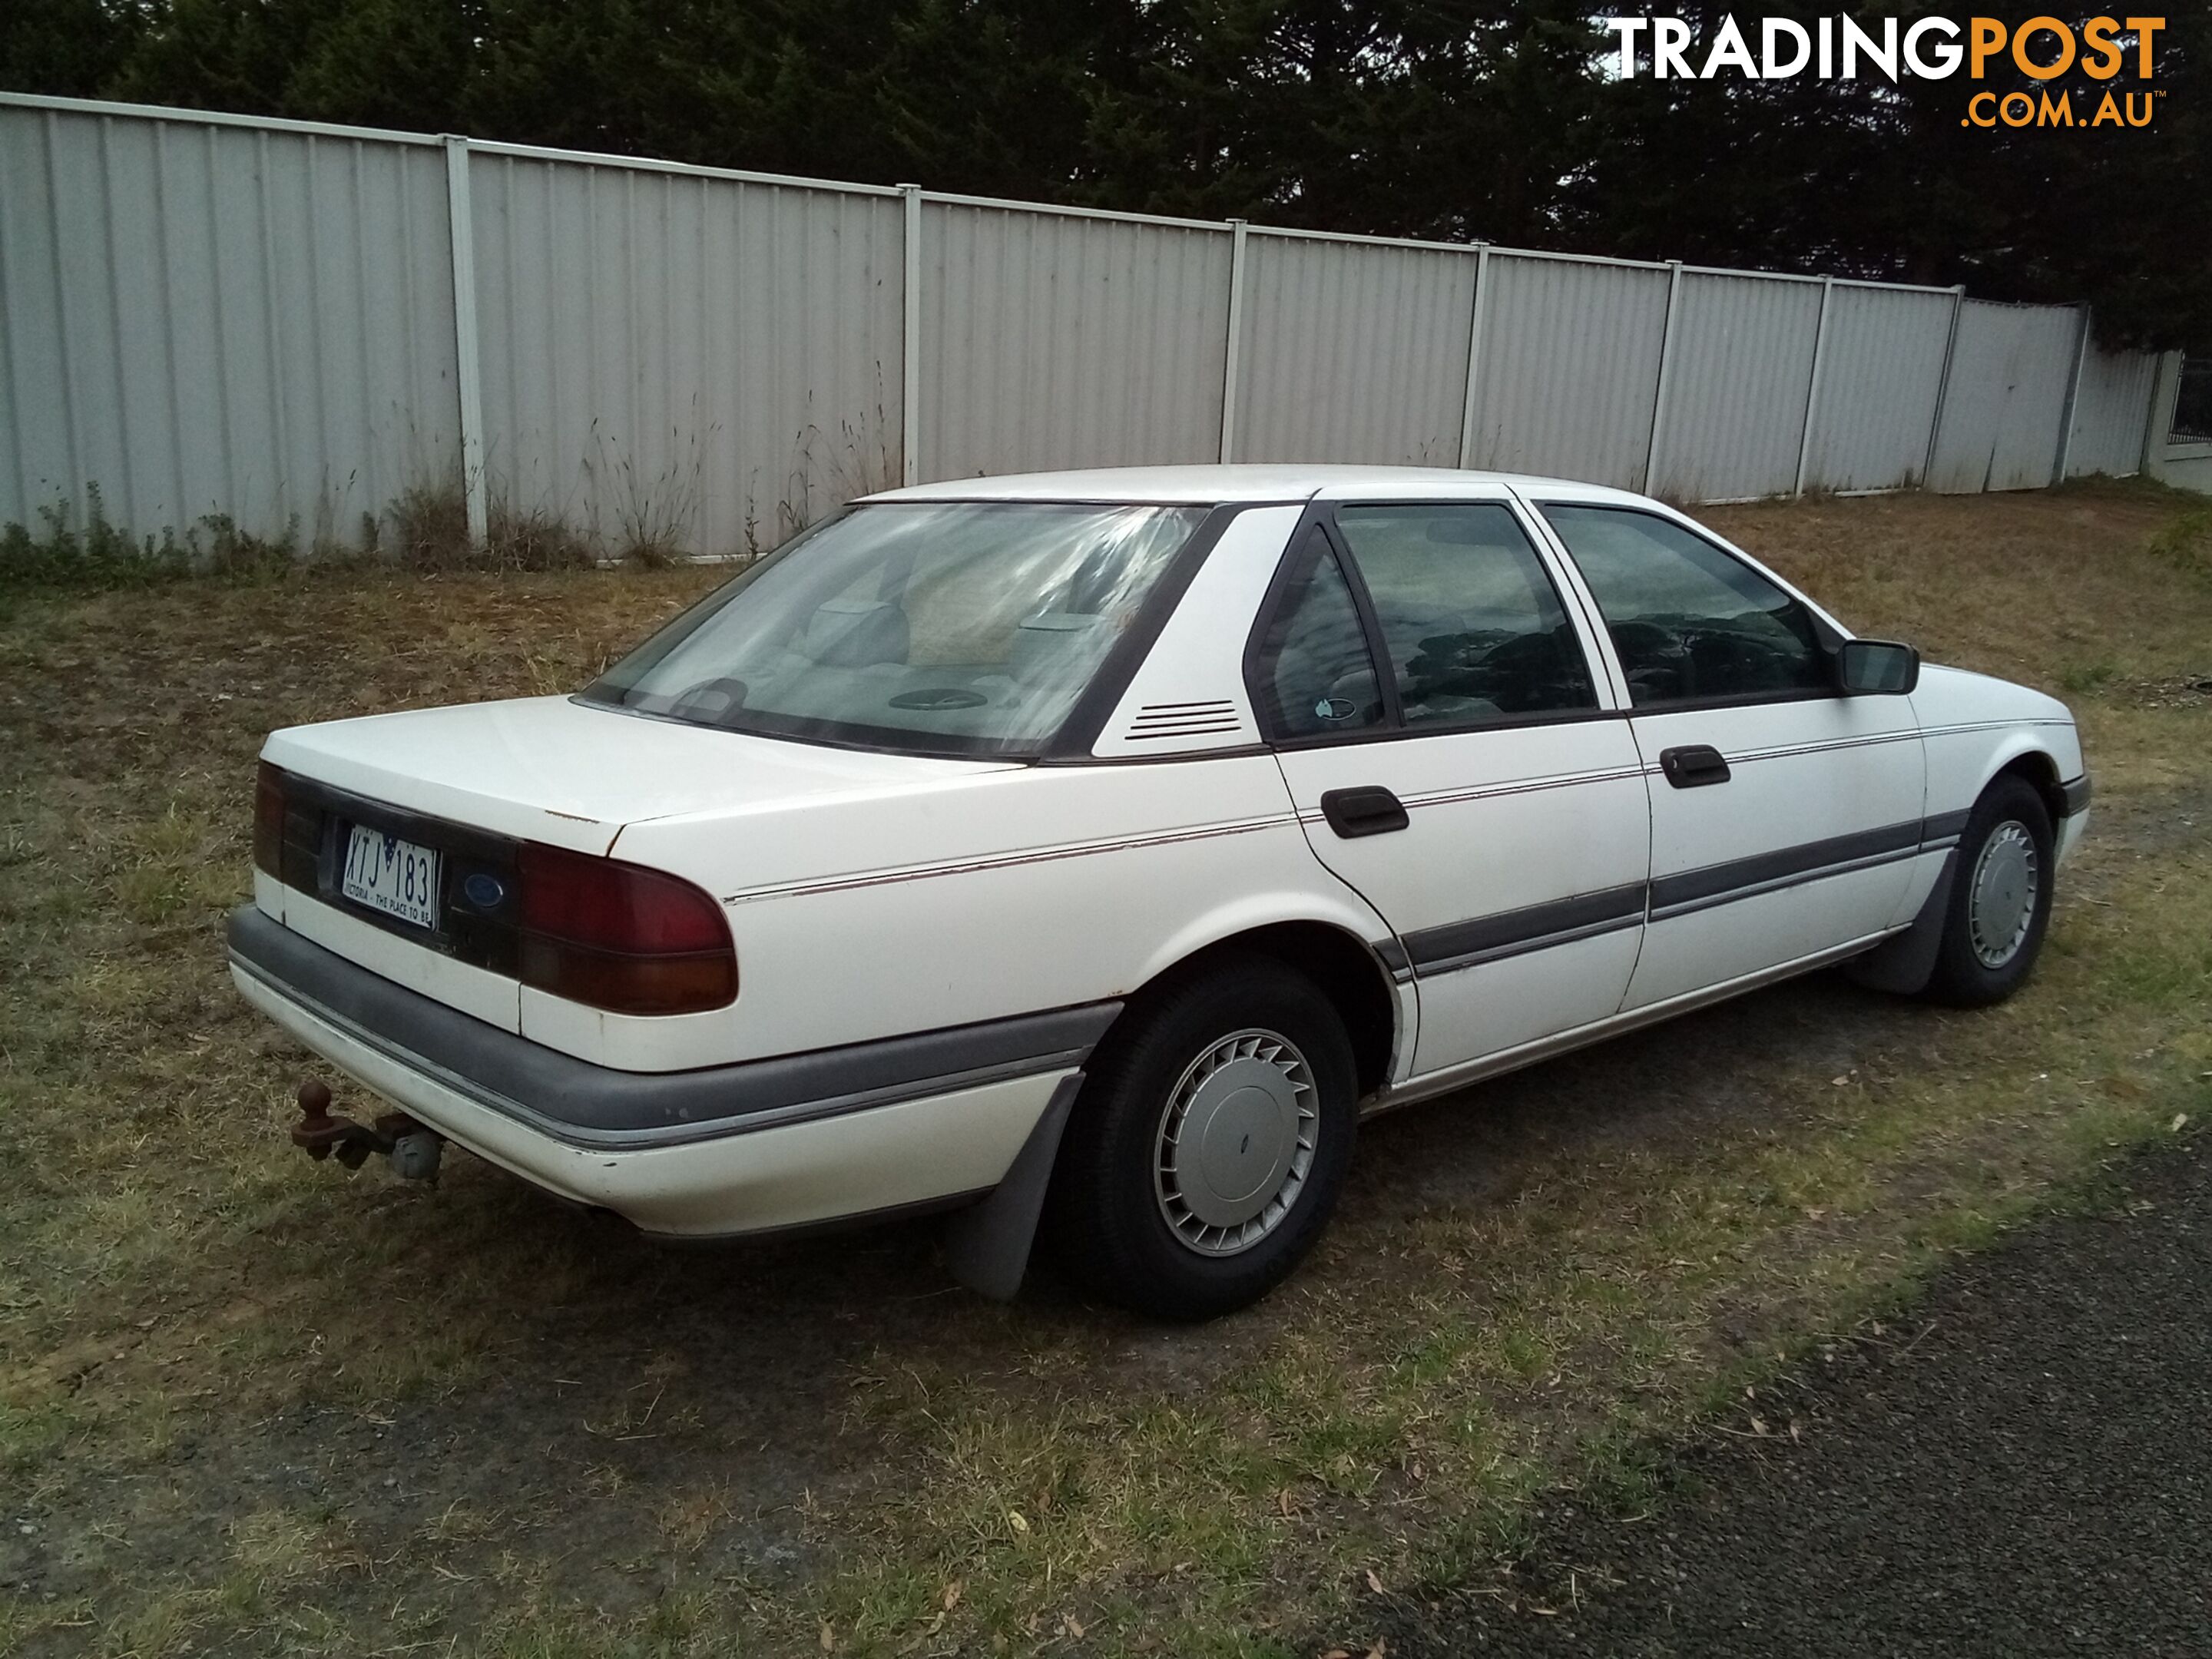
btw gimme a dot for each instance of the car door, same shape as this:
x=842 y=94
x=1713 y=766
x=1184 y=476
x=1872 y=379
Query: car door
x=1431 y=696
x=1785 y=815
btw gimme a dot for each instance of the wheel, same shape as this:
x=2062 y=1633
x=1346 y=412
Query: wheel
x=1209 y=1143
x=2000 y=902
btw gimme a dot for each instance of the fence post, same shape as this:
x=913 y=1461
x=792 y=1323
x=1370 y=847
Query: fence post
x=1812 y=386
x=1473 y=356
x=2157 y=419
x=910 y=343
x=1943 y=386
x=1659 y=395
x=468 y=371
x=1231 y=367
x=2073 y=398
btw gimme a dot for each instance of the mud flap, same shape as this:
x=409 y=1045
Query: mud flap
x=987 y=1247
x=1905 y=964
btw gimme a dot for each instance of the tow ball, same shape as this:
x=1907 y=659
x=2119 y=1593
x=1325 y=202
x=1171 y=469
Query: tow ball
x=412 y=1149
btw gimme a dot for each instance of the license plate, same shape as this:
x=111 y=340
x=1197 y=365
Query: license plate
x=394 y=876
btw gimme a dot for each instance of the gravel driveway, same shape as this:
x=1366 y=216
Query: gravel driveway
x=2021 y=1465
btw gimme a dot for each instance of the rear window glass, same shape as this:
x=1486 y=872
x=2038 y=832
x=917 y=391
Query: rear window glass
x=965 y=627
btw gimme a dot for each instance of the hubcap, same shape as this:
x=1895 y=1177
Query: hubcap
x=1235 y=1142
x=2001 y=904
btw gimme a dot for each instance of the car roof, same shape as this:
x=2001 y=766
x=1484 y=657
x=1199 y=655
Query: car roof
x=1250 y=481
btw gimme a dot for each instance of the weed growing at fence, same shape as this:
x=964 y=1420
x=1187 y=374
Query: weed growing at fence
x=654 y=517
x=429 y=527
x=425 y=529
x=65 y=552
x=535 y=538
x=430 y=532
x=856 y=460
x=626 y=515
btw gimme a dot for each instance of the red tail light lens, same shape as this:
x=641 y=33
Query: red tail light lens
x=620 y=937
x=269 y=821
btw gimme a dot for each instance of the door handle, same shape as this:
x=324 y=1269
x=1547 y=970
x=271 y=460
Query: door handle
x=1370 y=810
x=1693 y=766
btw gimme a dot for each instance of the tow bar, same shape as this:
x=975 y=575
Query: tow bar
x=412 y=1149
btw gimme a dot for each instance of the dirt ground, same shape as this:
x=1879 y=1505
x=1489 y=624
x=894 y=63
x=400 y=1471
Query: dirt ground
x=250 y=1405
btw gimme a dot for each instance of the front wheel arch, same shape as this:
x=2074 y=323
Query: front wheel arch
x=2040 y=772
x=1908 y=963
x=1958 y=978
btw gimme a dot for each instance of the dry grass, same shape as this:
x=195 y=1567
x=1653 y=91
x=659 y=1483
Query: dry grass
x=248 y=1406
x=2026 y=586
x=2099 y=593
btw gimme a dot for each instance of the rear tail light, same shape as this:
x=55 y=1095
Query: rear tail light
x=269 y=821
x=620 y=937
x=615 y=936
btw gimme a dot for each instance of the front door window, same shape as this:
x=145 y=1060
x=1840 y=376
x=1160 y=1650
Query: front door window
x=1690 y=622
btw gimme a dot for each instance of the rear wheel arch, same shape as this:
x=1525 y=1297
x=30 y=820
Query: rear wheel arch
x=1211 y=1140
x=989 y=1248
x=1341 y=965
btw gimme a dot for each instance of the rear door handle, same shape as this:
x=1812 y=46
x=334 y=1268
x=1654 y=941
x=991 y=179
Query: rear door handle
x=1369 y=810
x=1693 y=766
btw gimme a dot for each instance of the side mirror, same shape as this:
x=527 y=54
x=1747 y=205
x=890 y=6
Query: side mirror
x=1876 y=668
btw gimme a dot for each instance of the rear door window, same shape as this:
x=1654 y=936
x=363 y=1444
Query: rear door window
x=1472 y=627
x=1317 y=674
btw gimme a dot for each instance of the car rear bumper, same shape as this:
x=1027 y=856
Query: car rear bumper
x=886 y=1127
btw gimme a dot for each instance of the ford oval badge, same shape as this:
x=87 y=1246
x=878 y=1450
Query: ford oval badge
x=484 y=892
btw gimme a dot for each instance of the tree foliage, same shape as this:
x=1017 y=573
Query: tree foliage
x=1501 y=120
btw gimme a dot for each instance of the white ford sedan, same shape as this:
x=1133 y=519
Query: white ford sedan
x=1088 y=852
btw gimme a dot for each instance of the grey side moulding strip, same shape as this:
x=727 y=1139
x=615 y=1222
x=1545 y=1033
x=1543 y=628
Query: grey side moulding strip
x=1718 y=879
x=1456 y=945
x=1534 y=927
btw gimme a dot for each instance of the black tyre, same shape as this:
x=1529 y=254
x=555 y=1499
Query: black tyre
x=2000 y=902
x=1209 y=1144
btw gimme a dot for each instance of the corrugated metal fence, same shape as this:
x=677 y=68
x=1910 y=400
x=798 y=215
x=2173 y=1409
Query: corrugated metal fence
x=300 y=326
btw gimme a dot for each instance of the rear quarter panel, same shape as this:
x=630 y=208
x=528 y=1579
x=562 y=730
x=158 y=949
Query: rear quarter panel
x=1002 y=894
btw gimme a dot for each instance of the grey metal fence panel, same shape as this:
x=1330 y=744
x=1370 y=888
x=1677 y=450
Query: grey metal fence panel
x=204 y=313
x=1741 y=362
x=1352 y=351
x=2112 y=412
x=2004 y=406
x=1882 y=372
x=1568 y=369
x=679 y=361
x=1058 y=340
x=199 y=317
